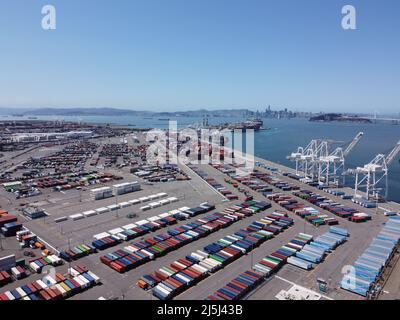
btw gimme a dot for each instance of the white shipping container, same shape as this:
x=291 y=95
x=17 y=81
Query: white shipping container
x=35 y=267
x=162 y=194
x=154 y=204
x=42 y=284
x=77 y=216
x=61 y=289
x=95 y=277
x=89 y=213
x=15 y=272
x=73 y=272
x=142 y=222
x=151 y=255
x=9 y=295
x=129 y=226
x=102 y=210
x=115 y=231
x=131 y=248
x=61 y=219
x=21 y=292
x=84 y=280
x=125 y=204
x=199 y=268
x=101 y=235
x=113 y=207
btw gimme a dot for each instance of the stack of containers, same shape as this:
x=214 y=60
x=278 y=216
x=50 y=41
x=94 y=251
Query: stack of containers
x=77 y=252
x=152 y=247
x=275 y=260
x=139 y=228
x=310 y=214
x=212 y=258
x=57 y=287
x=334 y=207
x=369 y=266
x=247 y=281
x=26 y=238
x=18 y=272
x=10 y=229
x=315 y=252
x=37 y=265
x=238 y=287
x=5 y=278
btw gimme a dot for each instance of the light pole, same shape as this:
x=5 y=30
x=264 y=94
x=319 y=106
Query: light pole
x=116 y=203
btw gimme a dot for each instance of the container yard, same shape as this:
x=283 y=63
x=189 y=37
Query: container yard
x=113 y=226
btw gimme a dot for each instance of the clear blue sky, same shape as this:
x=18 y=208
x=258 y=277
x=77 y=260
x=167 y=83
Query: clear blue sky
x=187 y=54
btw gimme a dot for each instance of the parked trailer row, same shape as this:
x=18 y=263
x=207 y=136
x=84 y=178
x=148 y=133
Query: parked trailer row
x=238 y=287
x=77 y=252
x=275 y=260
x=336 y=208
x=114 y=237
x=316 y=251
x=37 y=265
x=370 y=265
x=250 y=279
x=141 y=227
x=212 y=258
x=56 y=287
x=310 y=214
x=213 y=183
x=115 y=206
x=150 y=248
x=5 y=278
x=256 y=180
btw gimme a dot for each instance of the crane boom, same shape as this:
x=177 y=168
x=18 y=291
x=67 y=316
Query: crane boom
x=390 y=157
x=353 y=143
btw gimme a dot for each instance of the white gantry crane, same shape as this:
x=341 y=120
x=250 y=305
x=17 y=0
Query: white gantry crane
x=332 y=165
x=370 y=175
x=305 y=158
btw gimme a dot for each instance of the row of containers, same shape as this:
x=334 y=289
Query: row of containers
x=140 y=252
x=171 y=280
x=256 y=180
x=119 y=205
x=343 y=195
x=216 y=185
x=38 y=264
x=131 y=231
x=56 y=287
x=336 y=208
x=316 y=251
x=248 y=180
x=367 y=269
x=310 y=214
x=15 y=273
x=247 y=281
